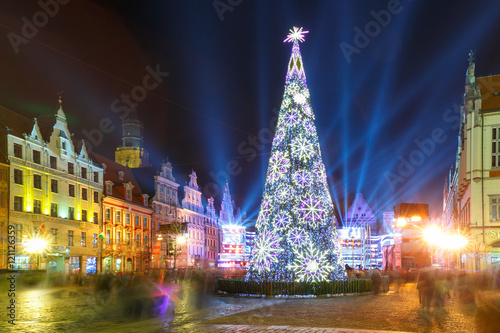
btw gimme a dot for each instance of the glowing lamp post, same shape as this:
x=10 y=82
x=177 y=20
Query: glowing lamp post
x=179 y=240
x=36 y=246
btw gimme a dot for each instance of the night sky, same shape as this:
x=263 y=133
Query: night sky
x=222 y=72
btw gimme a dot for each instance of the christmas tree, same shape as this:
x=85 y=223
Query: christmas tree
x=296 y=236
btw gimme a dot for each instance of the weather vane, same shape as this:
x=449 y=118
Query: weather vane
x=295 y=34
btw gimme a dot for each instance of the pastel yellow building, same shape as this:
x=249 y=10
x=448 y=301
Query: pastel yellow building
x=55 y=192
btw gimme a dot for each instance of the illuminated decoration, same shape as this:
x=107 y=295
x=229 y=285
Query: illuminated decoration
x=296 y=236
x=311 y=265
x=265 y=251
x=233 y=247
x=296 y=34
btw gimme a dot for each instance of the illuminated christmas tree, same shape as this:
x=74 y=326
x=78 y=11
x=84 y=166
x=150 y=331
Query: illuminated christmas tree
x=296 y=236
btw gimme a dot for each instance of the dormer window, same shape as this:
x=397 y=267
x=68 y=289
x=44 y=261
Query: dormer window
x=109 y=186
x=128 y=191
x=145 y=199
x=64 y=145
x=120 y=175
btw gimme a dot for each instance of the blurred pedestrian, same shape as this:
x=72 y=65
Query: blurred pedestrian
x=376 y=281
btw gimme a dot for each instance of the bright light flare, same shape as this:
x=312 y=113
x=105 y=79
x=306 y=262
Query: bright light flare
x=181 y=240
x=433 y=235
x=416 y=218
x=453 y=242
x=401 y=222
x=35 y=245
x=295 y=34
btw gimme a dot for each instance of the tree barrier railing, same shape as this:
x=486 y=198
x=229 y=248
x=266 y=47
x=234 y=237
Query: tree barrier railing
x=285 y=289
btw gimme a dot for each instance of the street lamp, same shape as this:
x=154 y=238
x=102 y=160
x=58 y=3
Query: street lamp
x=36 y=246
x=179 y=240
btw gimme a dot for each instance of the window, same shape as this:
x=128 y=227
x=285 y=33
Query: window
x=71 y=213
x=137 y=221
x=37 y=206
x=145 y=223
x=495 y=209
x=127 y=240
x=120 y=175
x=18 y=150
x=53 y=185
x=53 y=209
x=71 y=190
x=96 y=197
x=96 y=218
x=36 y=156
x=129 y=194
x=108 y=214
x=94 y=240
x=64 y=145
x=84 y=215
x=495 y=147
x=18 y=203
x=18 y=176
x=108 y=236
x=96 y=176
x=137 y=240
x=84 y=194
x=84 y=173
x=53 y=162
x=71 y=168
x=37 y=181
x=84 y=239
x=118 y=237
x=145 y=240
x=70 y=237
x=127 y=219
x=108 y=188
x=118 y=216
x=53 y=233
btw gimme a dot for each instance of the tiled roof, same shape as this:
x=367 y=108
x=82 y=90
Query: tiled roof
x=111 y=173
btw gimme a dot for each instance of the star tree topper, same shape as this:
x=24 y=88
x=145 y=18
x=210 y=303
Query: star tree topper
x=295 y=34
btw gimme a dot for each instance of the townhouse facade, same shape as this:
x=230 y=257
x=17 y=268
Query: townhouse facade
x=127 y=221
x=55 y=188
x=472 y=192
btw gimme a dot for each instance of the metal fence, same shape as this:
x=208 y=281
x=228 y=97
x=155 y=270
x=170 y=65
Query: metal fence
x=327 y=288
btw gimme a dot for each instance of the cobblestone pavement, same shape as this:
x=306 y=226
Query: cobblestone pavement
x=75 y=310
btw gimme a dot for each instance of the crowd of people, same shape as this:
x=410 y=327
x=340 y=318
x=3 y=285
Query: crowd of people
x=155 y=293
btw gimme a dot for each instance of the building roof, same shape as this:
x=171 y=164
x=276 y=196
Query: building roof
x=12 y=123
x=490 y=92
x=15 y=124
x=111 y=173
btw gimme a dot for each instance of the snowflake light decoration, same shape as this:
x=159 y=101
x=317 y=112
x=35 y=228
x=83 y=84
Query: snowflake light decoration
x=299 y=98
x=291 y=118
x=278 y=165
x=312 y=211
x=297 y=237
x=295 y=34
x=266 y=250
x=284 y=193
x=311 y=265
x=302 y=148
x=302 y=178
x=282 y=220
